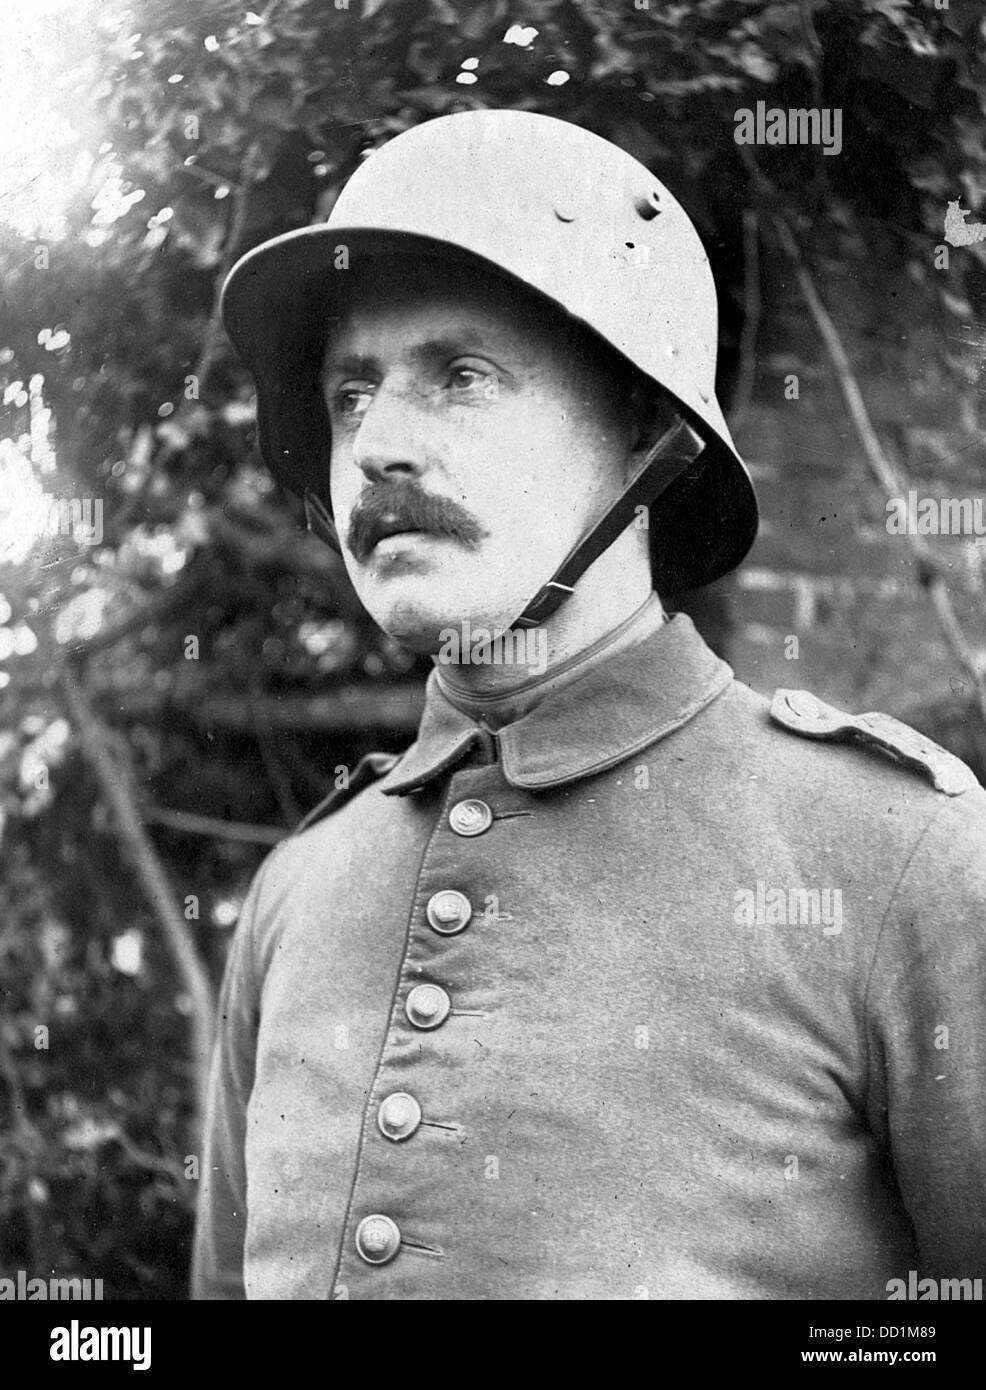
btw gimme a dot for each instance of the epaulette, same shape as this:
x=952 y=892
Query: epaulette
x=805 y=714
x=368 y=770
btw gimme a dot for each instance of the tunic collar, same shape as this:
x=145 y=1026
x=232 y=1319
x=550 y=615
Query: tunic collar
x=615 y=710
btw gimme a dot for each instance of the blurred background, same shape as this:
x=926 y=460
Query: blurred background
x=183 y=680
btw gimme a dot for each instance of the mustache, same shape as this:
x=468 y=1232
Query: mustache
x=385 y=508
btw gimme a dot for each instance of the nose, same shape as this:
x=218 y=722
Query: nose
x=390 y=442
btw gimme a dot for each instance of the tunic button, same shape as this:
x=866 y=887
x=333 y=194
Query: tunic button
x=470 y=817
x=427 y=1006
x=399 y=1116
x=448 y=912
x=378 y=1239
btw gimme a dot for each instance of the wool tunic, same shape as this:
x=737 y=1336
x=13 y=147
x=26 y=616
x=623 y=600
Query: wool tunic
x=645 y=997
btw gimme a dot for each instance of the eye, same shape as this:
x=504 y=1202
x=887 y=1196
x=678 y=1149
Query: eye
x=352 y=400
x=466 y=378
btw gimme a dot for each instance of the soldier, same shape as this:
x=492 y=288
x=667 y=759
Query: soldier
x=620 y=982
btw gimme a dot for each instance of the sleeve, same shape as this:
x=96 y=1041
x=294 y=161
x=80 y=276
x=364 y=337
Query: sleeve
x=221 y=1216
x=926 y=1015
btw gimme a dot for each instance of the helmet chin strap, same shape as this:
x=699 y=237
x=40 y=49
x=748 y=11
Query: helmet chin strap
x=320 y=522
x=678 y=447
x=667 y=460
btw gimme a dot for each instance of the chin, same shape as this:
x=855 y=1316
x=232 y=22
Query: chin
x=413 y=621
x=421 y=616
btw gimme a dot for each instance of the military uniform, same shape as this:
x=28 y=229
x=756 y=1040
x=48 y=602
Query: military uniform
x=496 y=1026
x=645 y=995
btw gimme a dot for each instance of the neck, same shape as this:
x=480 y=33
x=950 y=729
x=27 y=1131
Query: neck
x=609 y=593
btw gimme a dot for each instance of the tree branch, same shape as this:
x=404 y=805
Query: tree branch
x=882 y=469
x=115 y=777
x=751 y=317
x=161 y=606
x=352 y=709
x=280 y=782
x=28 y=1148
x=237 y=223
x=189 y=823
x=155 y=1163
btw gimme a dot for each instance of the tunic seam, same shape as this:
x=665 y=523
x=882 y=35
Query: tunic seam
x=931 y=821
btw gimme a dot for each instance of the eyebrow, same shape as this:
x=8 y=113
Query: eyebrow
x=461 y=344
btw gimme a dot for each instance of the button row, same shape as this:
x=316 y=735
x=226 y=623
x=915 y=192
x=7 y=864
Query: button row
x=378 y=1237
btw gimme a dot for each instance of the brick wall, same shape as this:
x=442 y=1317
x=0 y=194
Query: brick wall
x=824 y=568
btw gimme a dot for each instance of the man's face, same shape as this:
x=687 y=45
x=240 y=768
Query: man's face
x=459 y=410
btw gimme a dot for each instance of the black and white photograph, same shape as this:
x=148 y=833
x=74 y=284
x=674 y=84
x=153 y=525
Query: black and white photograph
x=493 y=662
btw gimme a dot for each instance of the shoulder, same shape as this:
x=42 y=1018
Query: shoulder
x=866 y=786
x=799 y=737
x=366 y=772
x=338 y=833
x=944 y=789
x=327 y=836
x=279 y=868
x=867 y=798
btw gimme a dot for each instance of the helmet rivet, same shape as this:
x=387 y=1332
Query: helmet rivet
x=564 y=214
x=704 y=396
x=647 y=207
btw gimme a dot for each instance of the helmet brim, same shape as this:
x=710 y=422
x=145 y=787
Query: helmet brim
x=277 y=306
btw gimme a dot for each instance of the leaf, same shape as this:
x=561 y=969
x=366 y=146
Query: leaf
x=755 y=62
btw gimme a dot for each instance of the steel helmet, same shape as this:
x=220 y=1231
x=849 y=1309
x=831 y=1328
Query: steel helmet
x=559 y=210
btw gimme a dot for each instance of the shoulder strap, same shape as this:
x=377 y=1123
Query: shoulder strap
x=805 y=714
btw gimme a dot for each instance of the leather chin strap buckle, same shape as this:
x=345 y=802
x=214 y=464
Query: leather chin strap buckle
x=677 y=448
